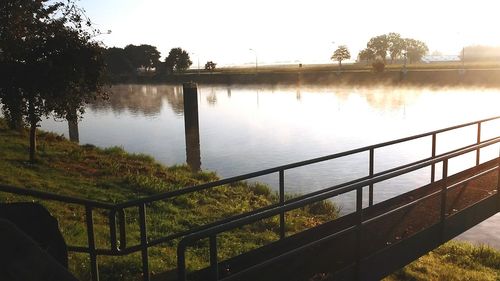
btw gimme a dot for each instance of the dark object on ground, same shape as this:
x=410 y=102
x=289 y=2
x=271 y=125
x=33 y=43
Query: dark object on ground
x=378 y=66
x=37 y=223
x=21 y=259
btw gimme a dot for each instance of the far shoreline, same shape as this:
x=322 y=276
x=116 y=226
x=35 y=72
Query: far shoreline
x=428 y=76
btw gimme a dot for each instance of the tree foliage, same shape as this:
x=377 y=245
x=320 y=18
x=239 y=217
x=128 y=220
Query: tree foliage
x=415 y=49
x=117 y=62
x=142 y=56
x=210 y=65
x=394 y=46
x=366 y=55
x=379 y=46
x=177 y=60
x=342 y=53
x=49 y=64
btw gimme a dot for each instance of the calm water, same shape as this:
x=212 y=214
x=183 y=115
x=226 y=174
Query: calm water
x=247 y=128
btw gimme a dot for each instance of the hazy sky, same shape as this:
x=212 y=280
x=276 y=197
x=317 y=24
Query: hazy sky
x=279 y=30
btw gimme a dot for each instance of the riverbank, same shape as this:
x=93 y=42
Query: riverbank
x=112 y=175
x=350 y=75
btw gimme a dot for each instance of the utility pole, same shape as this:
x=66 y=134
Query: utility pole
x=256 y=60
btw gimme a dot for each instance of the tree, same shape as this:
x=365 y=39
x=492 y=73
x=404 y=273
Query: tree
x=177 y=60
x=379 y=46
x=415 y=49
x=49 y=63
x=117 y=62
x=143 y=56
x=342 y=53
x=392 y=43
x=396 y=45
x=366 y=55
x=210 y=65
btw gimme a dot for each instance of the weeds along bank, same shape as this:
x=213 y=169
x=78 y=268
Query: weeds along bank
x=112 y=175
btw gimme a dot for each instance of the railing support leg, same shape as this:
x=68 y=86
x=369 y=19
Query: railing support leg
x=213 y=258
x=282 y=201
x=444 y=194
x=359 y=215
x=144 y=242
x=370 y=187
x=94 y=268
x=478 y=152
x=433 y=154
x=498 y=180
x=112 y=230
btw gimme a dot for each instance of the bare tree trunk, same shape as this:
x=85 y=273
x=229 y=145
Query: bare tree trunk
x=72 y=118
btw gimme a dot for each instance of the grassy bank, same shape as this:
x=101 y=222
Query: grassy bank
x=112 y=175
x=454 y=261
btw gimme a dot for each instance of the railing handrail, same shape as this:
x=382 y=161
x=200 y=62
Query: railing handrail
x=188 y=239
x=162 y=196
x=55 y=197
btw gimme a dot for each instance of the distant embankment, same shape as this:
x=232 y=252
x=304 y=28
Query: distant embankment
x=413 y=77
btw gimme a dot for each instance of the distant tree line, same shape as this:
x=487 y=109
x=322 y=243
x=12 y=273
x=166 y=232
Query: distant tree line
x=394 y=47
x=132 y=60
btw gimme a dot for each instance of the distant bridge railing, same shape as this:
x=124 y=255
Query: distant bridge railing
x=118 y=245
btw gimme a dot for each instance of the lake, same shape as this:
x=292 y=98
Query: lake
x=243 y=129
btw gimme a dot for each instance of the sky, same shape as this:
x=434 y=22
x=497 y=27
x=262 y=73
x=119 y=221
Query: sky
x=292 y=31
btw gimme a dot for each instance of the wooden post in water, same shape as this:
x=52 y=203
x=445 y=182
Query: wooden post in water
x=191 y=125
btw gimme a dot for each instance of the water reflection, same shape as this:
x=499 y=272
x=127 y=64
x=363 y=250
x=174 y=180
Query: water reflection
x=141 y=99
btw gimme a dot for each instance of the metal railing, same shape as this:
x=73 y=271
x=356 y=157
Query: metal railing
x=118 y=245
x=212 y=232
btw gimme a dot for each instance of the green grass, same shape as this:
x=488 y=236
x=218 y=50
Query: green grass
x=453 y=261
x=113 y=175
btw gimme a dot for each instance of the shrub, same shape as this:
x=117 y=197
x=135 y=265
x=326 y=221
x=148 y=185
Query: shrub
x=378 y=66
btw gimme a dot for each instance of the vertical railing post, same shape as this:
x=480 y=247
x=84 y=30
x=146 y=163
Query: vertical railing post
x=371 y=168
x=112 y=229
x=94 y=269
x=123 y=234
x=444 y=194
x=214 y=267
x=181 y=262
x=282 y=202
x=498 y=180
x=359 y=225
x=144 y=242
x=433 y=154
x=478 y=151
